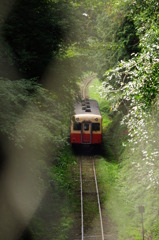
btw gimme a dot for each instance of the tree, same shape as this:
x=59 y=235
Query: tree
x=35 y=31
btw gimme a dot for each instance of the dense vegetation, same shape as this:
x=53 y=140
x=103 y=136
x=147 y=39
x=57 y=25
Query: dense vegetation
x=45 y=47
x=34 y=121
x=133 y=89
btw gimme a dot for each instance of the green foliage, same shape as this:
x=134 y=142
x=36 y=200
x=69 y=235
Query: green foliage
x=104 y=107
x=35 y=31
x=65 y=174
x=30 y=111
x=114 y=198
x=36 y=120
x=115 y=36
x=127 y=39
x=37 y=124
x=107 y=174
x=61 y=171
x=132 y=87
x=113 y=134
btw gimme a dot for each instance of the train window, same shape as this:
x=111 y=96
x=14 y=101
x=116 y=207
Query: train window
x=95 y=126
x=86 y=126
x=76 y=126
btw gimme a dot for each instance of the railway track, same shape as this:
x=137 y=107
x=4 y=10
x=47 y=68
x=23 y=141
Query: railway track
x=85 y=87
x=91 y=214
x=93 y=225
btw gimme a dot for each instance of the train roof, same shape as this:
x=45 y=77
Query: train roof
x=87 y=106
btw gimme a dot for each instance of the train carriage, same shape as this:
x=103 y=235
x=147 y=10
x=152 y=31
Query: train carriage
x=86 y=123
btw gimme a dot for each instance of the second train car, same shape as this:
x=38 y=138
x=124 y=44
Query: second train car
x=86 y=123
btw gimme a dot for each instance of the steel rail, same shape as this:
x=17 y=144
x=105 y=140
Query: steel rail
x=98 y=200
x=82 y=225
x=90 y=78
x=99 y=206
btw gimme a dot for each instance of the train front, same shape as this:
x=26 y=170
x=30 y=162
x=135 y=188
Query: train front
x=86 y=124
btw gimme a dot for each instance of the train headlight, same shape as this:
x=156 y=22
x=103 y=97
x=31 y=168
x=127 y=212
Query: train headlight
x=96 y=119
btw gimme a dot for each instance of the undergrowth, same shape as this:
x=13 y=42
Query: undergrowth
x=114 y=198
x=65 y=174
x=56 y=215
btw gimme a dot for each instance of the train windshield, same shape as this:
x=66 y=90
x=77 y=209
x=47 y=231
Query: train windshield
x=95 y=127
x=76 y=126
x=86 y=126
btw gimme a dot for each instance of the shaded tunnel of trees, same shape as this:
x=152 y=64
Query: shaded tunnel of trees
x=45 y=47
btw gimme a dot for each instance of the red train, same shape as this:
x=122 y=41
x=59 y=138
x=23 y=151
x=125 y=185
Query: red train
x=86 y=123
